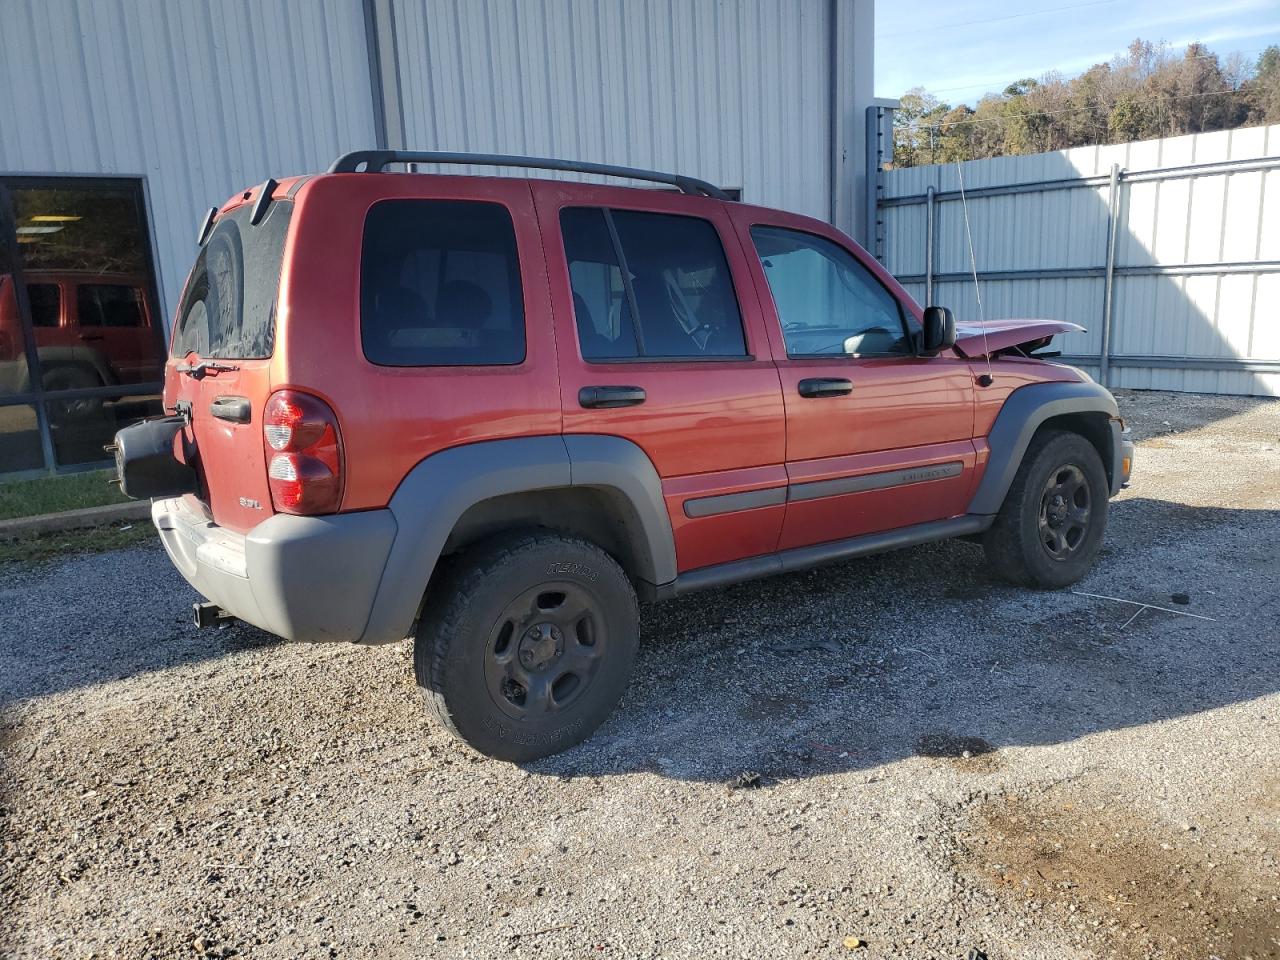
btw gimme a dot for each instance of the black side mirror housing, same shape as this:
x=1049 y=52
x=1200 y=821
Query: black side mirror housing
x=939 y=331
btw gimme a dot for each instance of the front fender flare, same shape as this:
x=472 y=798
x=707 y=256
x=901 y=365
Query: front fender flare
x=1024 y=411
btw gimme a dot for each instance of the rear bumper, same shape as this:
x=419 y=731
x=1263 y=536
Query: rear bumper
x=301 y=578
x=1121 y=455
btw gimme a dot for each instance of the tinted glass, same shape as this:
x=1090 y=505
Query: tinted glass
x=678 y=277
x=827 y=302
x=78 y=233
x=440 y=285
x=20 y=438
x=81 y=426
x=14 y=375
x=46 y=304
x=600 y=304
x=109 y=305
x=229 y=308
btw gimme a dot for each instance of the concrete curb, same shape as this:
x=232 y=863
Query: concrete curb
x=23 y=527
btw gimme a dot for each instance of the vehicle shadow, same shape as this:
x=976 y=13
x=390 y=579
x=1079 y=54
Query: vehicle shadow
x=93 y=619
x=917 y=652
x=921 y=653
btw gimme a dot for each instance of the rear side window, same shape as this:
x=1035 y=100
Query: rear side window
x=109 y=305
x=46 y=304
x=650 y=285
x=440 y=285
x=229 y=308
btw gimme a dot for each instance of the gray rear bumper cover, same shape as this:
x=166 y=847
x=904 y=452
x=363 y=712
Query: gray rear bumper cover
x=301 y=578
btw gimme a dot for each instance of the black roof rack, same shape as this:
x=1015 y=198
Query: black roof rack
x=375 y=160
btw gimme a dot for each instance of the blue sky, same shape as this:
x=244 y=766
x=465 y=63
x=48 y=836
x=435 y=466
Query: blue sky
x=961 y=49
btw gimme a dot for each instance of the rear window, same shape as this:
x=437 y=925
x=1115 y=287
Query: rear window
x=440 y=285
x=229 y=308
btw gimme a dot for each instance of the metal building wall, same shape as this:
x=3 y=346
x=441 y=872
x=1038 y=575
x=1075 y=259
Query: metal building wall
x=1197 y=252
x=202 y=98
x=737 y=93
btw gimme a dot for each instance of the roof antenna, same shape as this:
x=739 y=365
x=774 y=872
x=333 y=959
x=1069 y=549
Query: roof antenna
x=984 y=380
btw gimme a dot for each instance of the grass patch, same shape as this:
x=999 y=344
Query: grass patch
x=65 y=543
x=31 y=498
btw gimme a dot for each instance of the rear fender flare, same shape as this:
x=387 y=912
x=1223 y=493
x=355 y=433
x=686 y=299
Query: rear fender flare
x=1023 y=413
x=439 y=490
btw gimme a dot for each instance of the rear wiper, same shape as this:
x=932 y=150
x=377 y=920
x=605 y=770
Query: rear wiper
x=198 y=371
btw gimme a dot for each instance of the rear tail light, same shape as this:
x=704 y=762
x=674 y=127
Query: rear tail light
x=304 y=453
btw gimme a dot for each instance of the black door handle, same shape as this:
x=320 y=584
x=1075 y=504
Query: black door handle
x=235 y=409
x=825 y=387
x=607 y=397
x=92 y=336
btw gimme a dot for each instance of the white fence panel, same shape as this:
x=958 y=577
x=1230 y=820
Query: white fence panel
x=1195 y=296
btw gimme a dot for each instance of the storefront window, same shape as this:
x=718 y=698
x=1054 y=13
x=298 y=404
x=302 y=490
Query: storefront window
x=77 y=284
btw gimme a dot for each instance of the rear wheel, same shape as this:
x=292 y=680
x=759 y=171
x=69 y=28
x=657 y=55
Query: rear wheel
x=1049 y=529
x=527 y=644
x=72 y=377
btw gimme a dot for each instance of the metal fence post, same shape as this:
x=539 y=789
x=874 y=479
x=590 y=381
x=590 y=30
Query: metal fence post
x=1108 y=283
x=929 y=213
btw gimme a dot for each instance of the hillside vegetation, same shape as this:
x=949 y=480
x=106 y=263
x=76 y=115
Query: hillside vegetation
x=1148 y=92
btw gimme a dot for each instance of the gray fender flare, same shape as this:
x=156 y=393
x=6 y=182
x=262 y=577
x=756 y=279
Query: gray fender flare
x=1022 y=414
x=440 y=489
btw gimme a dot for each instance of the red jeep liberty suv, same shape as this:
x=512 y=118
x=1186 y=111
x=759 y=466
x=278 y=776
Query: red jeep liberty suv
x=490 y=412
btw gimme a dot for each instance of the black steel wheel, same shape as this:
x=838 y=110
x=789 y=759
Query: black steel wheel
x=1050 y=527
x=1064 y=512
x=527 y=643
x=545 y=650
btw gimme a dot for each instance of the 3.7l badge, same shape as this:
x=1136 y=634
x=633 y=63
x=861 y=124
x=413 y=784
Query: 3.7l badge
x=251 y=504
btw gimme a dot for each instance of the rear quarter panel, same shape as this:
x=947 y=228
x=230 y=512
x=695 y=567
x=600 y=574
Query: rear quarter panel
x=393 y=417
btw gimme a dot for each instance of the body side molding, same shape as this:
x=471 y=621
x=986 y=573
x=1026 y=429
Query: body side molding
x=1023 y=412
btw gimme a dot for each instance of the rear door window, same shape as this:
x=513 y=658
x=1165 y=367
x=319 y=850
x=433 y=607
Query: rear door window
x=650 y=285
x=46 y=304
x=440 y=285
x=110 y=305
x=229 y=308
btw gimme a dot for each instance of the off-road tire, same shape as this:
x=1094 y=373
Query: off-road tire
x=467 y=614
x=1016 y=546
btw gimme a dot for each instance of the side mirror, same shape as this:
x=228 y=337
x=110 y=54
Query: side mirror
x=939 y=331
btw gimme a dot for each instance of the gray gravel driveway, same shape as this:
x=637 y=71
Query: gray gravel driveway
x=893 y=757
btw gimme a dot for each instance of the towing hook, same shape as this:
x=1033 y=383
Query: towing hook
x=209 y=615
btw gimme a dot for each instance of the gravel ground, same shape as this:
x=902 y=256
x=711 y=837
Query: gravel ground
x=895 y=752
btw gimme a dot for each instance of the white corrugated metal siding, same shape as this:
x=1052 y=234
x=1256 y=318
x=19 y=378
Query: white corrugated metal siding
x=735 y=93
x=202 y=97
x=1228 y=217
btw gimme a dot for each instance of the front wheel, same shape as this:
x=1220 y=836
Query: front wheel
x=1049 y=529
x=527 y=644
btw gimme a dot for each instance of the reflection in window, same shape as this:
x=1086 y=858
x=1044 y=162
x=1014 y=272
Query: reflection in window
x=110 y=305
x=20 y=439
x=46 y=304
x=827 y=302
x=81 y=246
x=83 y=425
x=90 y=243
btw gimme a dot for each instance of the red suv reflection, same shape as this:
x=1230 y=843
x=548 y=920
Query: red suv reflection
x=91 y=330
